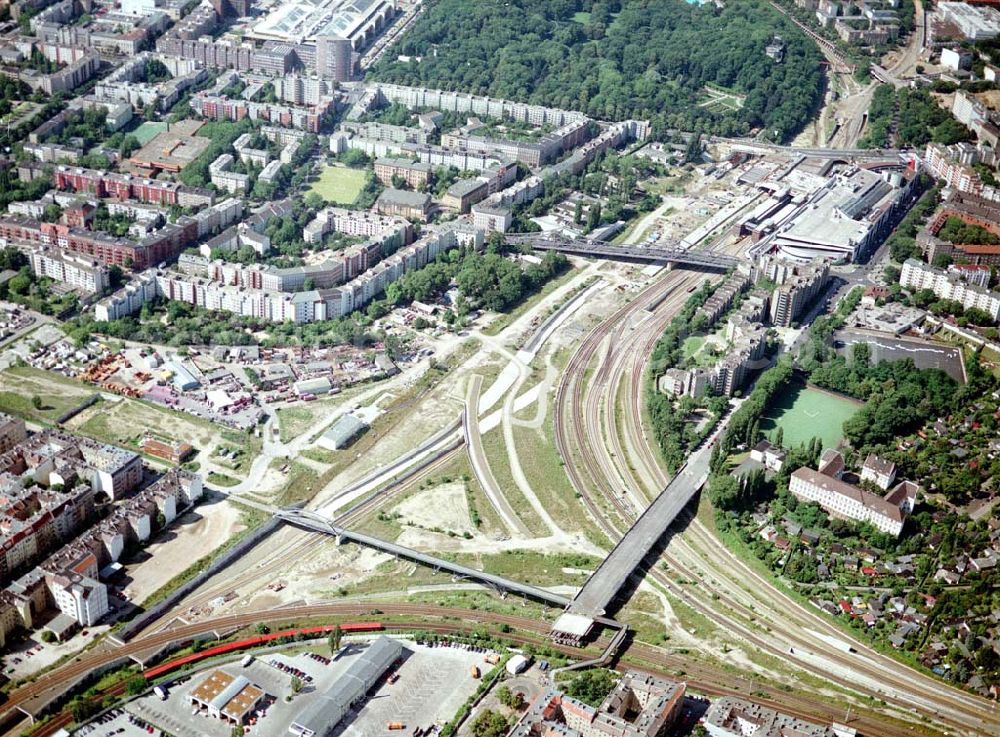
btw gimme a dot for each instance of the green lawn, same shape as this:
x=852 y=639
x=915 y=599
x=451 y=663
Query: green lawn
x=692 y=344
x=804 y=412
x=340 y=185
x=148 y=130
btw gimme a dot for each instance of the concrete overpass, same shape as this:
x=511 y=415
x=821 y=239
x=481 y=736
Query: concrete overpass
x=859 y=155
x=625 y=558
x=650 y=254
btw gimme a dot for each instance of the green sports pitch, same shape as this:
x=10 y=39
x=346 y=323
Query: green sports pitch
x=340 y=185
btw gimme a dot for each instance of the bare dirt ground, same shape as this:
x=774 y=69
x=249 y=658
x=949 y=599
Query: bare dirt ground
x=990 y=98
x=191 y=537
x=444 y=506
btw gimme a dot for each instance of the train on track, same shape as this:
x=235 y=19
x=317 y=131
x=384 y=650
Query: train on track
x=257 y=641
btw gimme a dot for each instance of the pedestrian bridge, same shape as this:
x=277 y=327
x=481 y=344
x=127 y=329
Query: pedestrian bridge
x=314 y=522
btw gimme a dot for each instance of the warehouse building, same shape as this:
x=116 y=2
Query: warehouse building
x=342 y=433
x=227 y=697
x=321 y=717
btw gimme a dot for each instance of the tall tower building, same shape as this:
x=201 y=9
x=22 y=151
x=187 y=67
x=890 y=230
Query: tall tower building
x=334 y=58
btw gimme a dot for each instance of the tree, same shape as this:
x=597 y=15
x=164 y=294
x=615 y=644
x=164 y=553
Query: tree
x=779 y=436
x=82 y=708
x=48 y=636
x=36 y=402
x=511 y=699
x=296 y=684
x=20 y=284
x=336 y=635
x=135 y=685
x=489 y=724
x=593 y=216
x=592 y=686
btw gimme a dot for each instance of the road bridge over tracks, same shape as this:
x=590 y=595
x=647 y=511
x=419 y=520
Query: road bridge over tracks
x=646 y=254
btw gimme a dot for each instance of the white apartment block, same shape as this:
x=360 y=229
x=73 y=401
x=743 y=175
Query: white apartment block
x=281 y=306
x=879 y=471
x=77 y=271
x=462 y=102
x=841 y=499
x=918 y=275
x=222 y=176
x=81 y=598
x=977 y=23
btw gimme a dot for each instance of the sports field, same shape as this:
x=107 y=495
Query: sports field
x=805 y=412
x=339 y=184
x=148 y=130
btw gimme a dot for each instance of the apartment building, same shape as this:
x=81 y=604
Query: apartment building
x=415 y=173
x=79 y=272
x=308 y=119
x=33 y=520
x=461 y=102
x=123 y=84
x=162 y=245
x=731 y=717
x=826 y=487
x=222 y=175
x=798 y=286
x=974 y=114
x=917 y=275
x=125 y=186
x=68 y=579
x=300 y=90
x=533 y=153
x=384 y=132
x=401 y=203
x=976 y=23
x=12 y=432
x=71 y=76
x=639 y=706
x=954 y=164
x=388 y=230
x=263 y=302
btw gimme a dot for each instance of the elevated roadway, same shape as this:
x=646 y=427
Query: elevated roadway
x=859 y=155
x=626 y=557
x=652 y=254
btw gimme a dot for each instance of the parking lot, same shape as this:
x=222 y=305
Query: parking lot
x=119 y=723
x=427 y=687
x=433 y=683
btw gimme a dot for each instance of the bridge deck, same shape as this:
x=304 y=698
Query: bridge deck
x=654 y=254
x=609 y=578
x=317 y=523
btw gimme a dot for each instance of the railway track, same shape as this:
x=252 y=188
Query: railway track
x=598 y=474
x=701 y=678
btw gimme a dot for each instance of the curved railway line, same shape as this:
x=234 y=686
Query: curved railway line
x=602 y=459
x=596 y=460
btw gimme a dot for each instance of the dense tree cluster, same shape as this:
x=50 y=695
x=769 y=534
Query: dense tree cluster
x=615 y=59
x=592 y=686
x=957 y=230
x=898 y=396
x=744 y=422
x=902 y=243
x=909 y=117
